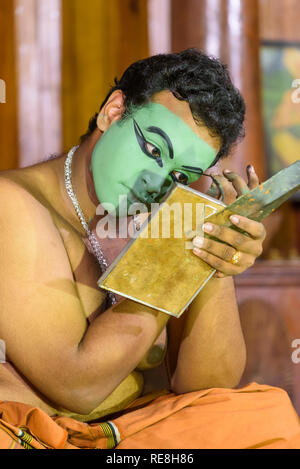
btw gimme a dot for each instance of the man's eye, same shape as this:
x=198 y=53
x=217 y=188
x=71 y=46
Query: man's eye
x=181 y=177
x=154 y=151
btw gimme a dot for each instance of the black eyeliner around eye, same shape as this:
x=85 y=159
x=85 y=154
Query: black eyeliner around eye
x=161 y=133
x=142 y=143
x=177 y=179
x=193 y=169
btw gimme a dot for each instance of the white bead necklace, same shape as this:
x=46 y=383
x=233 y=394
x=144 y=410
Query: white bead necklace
x=91 y=236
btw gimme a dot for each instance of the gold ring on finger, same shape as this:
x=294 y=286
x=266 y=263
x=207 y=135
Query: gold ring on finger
x=235 y=258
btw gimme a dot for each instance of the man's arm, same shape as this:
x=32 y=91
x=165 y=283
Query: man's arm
x=212 y=342
x=207 y=347
x=42 y=321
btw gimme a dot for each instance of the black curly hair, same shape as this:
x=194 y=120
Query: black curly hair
x=201 y=80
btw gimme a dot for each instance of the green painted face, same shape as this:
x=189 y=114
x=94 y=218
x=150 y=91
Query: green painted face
x=141 y=156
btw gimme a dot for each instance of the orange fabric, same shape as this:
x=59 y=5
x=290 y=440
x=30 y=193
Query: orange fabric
x=255 y=416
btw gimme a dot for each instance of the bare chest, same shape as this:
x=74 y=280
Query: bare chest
x=85 y=268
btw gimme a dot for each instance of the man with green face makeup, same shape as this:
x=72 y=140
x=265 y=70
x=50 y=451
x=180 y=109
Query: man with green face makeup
x=149 y=380
x=157 y=148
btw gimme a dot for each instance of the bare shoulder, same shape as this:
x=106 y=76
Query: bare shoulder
x=27 y=227
x=12 y=191
x=16 y=201
x=33 y=255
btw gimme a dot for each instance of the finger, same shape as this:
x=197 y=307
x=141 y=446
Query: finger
x=224 y=251
x=222 y=266
x=214 y=191
x=254 y=228
x=235 y=239
x=227 y=190
x=253 y=180
x=237 y=181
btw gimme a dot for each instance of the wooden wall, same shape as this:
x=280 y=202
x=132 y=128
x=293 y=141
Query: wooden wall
x=8 y=110
x=280 y=20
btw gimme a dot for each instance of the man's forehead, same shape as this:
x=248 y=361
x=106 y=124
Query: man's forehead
x=182 y=110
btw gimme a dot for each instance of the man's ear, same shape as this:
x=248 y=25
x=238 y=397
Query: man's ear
x=112 y=111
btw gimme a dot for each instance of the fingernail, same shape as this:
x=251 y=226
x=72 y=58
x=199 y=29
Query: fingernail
x=208 y=227
x=234 y=219
x=198 y=242
x=250 y=168
x=199 y=252
x=227 y=171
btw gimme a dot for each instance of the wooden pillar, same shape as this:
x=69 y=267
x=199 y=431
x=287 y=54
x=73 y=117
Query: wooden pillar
x=8 y=105
x=100 y=40
x=228 y=29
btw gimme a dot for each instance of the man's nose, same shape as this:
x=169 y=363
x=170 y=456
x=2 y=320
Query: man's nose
x=152 y=185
